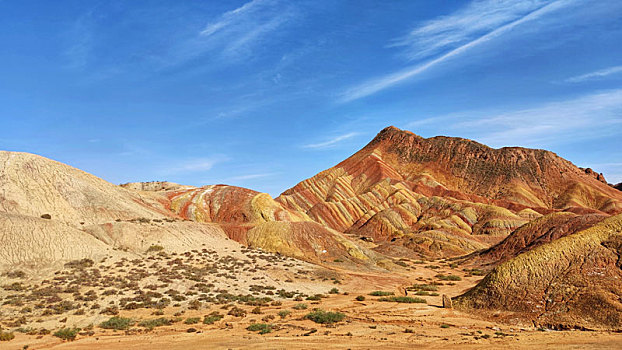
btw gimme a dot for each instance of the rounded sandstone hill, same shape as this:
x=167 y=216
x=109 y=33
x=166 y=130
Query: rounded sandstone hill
x=34 y=186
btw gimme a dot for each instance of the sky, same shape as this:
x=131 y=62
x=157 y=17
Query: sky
x=265 y=93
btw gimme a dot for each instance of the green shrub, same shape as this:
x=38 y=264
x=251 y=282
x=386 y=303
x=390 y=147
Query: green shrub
x=300 y=306
x=475 y=272
x=284 y=313
x=333 y=291
x=448 y=277
x=425 y=287
x=401 y=263
x=192 y=320
x=67 y=333
x=211 y=318
x=409 y=300
x=80 y=264
x=15 y=274
x=445 y=326
x=263 y=328
x=156 y=322
x=315 y=297
x=323 y=317
x=117 y=323
x=155 y=248
x=6 y=336
x=237 y=312
x=380 y=293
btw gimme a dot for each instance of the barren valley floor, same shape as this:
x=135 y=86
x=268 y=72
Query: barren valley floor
x=177 y=290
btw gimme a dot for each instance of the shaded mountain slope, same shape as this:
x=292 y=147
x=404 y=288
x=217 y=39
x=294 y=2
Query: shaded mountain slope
x=537 y=232
x=572 y=282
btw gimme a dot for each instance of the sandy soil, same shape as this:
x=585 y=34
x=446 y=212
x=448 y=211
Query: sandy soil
x=370 y=323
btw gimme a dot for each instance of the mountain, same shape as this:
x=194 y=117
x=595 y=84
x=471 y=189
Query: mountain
x=255 y=219
x=535 y=233
x=407 y=195
x=445 y=196
x=33 y=185
x=51 y=212
x=571 y=282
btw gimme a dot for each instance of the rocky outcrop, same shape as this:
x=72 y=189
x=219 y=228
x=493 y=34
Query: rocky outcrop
x=154 y=186
x=598 y=176
x=572 y=282
x=537 y=232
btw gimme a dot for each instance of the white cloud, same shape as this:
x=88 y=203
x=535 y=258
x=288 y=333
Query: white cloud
x=80 y=41
x=589 y=116
x=231 y=17
x=595 y=75
x=332 y=142
x=237 y=32
x=250 y=176
x=455 y=29
x=193 y=165
x=375 y=85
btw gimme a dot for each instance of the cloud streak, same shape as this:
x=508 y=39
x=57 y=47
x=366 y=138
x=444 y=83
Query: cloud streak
x=193 y=165
x=237 y=32
x=590 y=116
x=250 y=176
x=473 y=20
x=376 y=85
x=231 y=17
x=332 y=142
x=595 y=75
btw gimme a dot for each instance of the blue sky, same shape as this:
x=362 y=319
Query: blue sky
x=266 y=93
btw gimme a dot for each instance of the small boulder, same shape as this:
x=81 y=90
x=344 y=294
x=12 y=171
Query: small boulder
x=447 y=304
x=46 y=216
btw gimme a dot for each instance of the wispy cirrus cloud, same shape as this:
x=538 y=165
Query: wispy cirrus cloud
x=595 y=75
x=250 y=176
x=237 y=32
x=585 y=117
x=80 y=39
x=436 y=42
x=231 y=17
x=475 y=19
x=192 y=165
x=331 y=142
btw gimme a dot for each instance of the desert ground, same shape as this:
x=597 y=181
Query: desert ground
x=280 y=292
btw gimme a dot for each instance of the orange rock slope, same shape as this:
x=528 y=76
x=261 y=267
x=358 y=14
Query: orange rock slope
x=446 y=196
x=255 y=219
x=434 y=197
